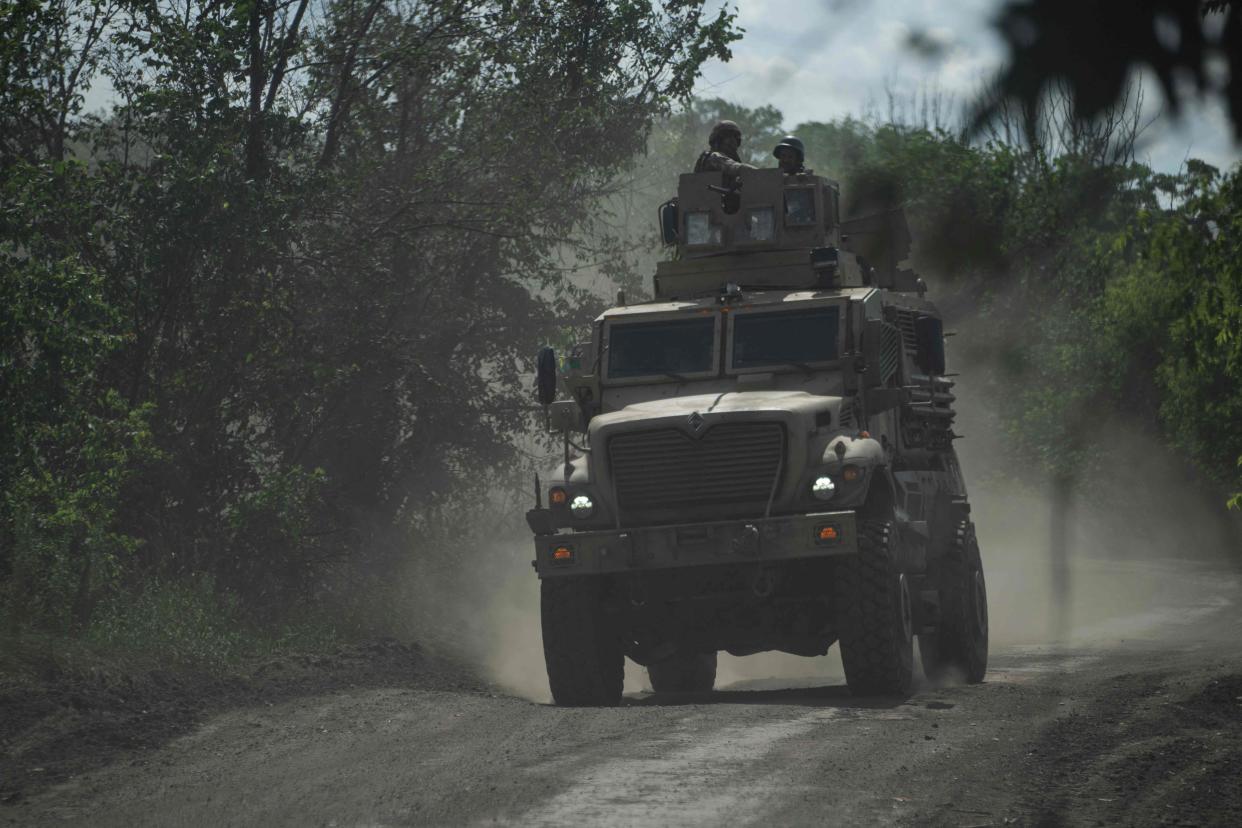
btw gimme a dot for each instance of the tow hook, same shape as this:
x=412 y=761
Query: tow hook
x=764 y=584
x=746 y=542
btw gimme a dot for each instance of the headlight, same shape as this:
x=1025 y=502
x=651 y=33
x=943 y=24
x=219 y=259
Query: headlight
x=823 y=488
x=581 y=507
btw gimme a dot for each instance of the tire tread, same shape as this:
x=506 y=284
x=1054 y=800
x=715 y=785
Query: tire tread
x=583 y=654
x=952 y=649
x=867 y=603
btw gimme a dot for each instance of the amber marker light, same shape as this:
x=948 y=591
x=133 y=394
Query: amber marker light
x=827 y=534
x=563 y=554
x=557 y=497
x=851 y=473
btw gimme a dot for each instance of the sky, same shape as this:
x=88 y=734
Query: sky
x=817 y=60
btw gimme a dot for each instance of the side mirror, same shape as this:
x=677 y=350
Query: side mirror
x=929 y=334
x=545 y=375
x=668 y=221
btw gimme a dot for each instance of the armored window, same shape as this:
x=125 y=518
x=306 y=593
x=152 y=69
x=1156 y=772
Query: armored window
x=700 y=230
x=785 y=338
x=929 y=332
x=799 y=206
x=760 y=224
x=679 y=346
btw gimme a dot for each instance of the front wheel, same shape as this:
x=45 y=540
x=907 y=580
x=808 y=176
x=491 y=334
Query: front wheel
x=959 y=647
x=688 y=673
x=583 y=653
x=875 y=615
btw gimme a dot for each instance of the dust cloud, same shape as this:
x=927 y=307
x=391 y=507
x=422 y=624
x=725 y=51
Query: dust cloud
x=1148 y=552
x=1147 y=548
x=480 y=608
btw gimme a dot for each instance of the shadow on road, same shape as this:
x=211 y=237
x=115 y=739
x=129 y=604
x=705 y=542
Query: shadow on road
x=823 y=696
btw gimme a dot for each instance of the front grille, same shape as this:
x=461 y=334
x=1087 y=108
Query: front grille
x=667 y=475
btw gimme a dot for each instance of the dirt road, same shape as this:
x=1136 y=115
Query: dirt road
x=1145 y=728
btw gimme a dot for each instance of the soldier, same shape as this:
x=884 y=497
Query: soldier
x=790 y=155
x=722 y=156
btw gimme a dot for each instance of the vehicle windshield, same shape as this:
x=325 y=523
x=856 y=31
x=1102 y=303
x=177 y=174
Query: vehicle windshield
x=668 y=348
x=796 y=338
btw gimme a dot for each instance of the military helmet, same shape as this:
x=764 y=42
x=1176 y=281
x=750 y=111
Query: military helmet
x=720 y=129
x=792 y=143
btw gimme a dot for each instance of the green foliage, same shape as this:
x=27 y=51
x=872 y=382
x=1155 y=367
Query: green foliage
x=48 y=53
x=271 y=534
x=188 y=621
x=1235 y=502
x=191 y=621
x=65 y=548
x=68 y=442
x=1186 y=291
x=262 y=318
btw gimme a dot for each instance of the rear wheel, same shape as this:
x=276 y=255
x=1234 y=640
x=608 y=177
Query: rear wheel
x=583 y=653
x=875 y=616
x=959 y=648
x=689 y=673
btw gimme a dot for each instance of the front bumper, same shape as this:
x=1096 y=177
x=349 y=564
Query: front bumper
x=696 y=544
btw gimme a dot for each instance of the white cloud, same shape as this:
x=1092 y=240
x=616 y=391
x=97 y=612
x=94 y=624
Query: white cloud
x=832 y=59
x=767 y=72
x=845 y=55
x=1202 y=132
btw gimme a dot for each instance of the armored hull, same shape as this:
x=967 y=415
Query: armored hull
x=766 y=460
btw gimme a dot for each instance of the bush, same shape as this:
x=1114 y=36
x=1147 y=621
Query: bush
x=188 y=622
x=193 y=622
x=68 y=445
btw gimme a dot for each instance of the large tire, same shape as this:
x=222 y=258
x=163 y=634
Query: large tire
x=692 y=673
x=959 y=647
x=874 y=613
x=583 y=653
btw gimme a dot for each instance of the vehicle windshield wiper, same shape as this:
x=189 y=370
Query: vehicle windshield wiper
x=677 y=377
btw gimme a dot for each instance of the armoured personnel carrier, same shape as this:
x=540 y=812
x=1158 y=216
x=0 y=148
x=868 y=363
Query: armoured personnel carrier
x=759 y=458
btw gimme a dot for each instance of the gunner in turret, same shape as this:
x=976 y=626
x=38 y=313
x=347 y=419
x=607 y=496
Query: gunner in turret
x=721 y=155
x=790 y=154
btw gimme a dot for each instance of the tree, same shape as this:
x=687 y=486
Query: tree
x=326 y=244
x=1094 y=47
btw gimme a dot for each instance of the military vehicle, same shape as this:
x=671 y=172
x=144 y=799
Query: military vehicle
x=759 y=458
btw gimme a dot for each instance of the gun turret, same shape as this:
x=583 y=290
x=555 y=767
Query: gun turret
x=767 y=229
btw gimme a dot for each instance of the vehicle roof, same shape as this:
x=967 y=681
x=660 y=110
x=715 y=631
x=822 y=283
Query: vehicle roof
x=749 y=298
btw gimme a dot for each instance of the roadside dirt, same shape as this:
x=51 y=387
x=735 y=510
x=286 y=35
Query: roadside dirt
x=58 y=722
x=1152 y=746
x=1140 y=730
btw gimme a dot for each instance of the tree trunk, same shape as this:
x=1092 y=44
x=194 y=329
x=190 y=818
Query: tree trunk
x=343 y=99
x=254 y=134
